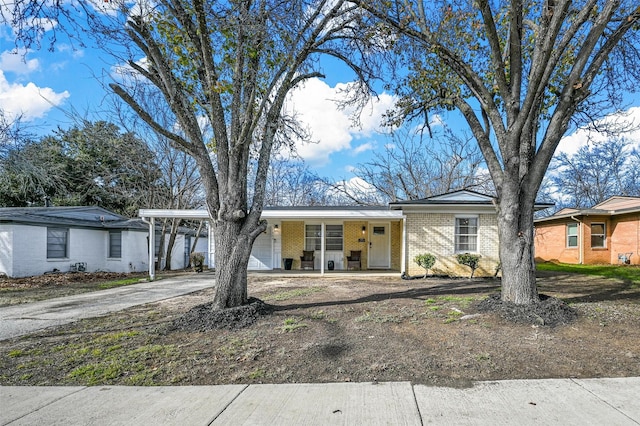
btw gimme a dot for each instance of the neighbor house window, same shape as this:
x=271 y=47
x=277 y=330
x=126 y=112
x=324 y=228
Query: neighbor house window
x=598 y=237
x=115 y=244
x=57 y=243
x=572 y=235
x=466 y=238
x=313 y=237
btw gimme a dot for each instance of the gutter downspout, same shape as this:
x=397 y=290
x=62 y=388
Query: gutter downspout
x=580 y=243
x=152 y=247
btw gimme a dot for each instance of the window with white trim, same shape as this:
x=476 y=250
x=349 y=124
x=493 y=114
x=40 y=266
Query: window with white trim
x=334 y=236
x=57 y=243
x=466 y=234
x=572 y=235
x=598 y=235
x=115 y=244
x=312 y=237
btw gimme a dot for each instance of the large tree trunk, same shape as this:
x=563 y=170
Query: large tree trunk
x=515 y=229
x=232 y=251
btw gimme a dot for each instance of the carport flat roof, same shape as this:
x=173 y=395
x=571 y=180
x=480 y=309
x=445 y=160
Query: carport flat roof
x=350 y=213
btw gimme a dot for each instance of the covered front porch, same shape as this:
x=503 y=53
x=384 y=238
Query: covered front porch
x=330 y=239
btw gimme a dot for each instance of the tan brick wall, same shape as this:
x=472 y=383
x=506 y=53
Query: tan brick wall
x=435 y=232
x=396 y=245
x=293 y=241
x=352 y=233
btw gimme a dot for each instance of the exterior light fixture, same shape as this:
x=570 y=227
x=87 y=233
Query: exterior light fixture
x=364 y=229
x=276 y=230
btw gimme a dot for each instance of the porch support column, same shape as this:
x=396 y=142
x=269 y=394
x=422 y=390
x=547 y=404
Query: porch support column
x=322 y=230
x=403 y=250
x=152 y=249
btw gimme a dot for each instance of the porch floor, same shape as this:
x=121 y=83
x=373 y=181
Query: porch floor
x=334 y=273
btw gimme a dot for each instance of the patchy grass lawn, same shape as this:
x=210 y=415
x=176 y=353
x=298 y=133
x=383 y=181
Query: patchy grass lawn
x=343 y=329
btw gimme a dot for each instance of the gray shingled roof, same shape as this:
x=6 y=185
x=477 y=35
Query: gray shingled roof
x=81 y=216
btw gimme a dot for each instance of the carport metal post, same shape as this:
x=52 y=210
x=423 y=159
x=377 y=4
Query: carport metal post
x=152 y=247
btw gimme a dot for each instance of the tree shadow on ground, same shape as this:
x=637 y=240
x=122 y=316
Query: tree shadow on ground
x=448 y=288
x=578 y=288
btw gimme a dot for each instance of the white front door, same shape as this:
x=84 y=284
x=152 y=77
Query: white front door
x=379 y=245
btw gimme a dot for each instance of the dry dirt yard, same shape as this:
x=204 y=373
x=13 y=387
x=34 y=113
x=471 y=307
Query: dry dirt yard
x=341 y=329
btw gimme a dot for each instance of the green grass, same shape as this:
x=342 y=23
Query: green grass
x=623 y=272
x=292 y=324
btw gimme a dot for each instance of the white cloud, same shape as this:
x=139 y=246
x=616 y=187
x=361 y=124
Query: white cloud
x=581 y=137
x=28 y=101
x=315 y=106
x=17 y=62
x=368 y=146
x=436 y=120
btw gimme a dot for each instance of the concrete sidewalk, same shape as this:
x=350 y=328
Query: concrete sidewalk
x=18 y=320
x=521 y=402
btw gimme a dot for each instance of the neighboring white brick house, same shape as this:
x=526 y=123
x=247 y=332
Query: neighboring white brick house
x=43 y=239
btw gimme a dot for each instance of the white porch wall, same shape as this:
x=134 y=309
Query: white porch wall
x=270 y=241
x=177 y=253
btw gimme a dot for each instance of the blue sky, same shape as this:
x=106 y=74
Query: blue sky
x=45 y=86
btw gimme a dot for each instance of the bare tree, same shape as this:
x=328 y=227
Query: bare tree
x=519 y=72
x=412 y=167
x=594 y=173
x=292 y=183
x=230 y=65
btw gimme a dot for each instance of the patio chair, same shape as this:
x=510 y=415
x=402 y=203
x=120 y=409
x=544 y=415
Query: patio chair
x=353 y=261
x=307 y=259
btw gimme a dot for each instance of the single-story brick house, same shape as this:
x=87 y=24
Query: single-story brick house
x=387 y=238
x=607 y=233
x=36 y=240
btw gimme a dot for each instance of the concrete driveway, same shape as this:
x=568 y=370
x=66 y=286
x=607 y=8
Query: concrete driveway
x=18 y=320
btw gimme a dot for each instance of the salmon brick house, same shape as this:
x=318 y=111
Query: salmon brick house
x=607 y=233
x=339 y=238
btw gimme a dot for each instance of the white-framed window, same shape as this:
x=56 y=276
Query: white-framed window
x=115 y=244
x=466 y=234
x=572 y=235
x=57 y=243
x=312 y=237
x=598 y=235
x=334 y=235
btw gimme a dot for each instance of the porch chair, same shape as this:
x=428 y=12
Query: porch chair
x=307 y=259
x=353 y=261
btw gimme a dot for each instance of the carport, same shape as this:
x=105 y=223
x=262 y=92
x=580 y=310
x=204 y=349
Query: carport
x=149 y=216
